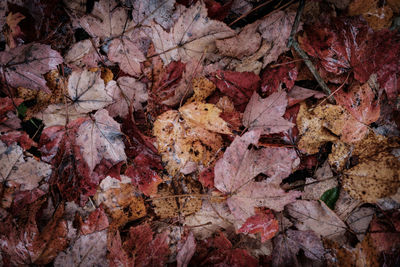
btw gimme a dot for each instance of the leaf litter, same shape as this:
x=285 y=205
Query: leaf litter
x=191 y=133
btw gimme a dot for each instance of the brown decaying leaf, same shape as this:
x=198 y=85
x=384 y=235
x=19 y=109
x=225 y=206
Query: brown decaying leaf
x=322 y=181
x=235 y=173
x=324 y=124
x=191 y=38
x=266 y=114
x=184 y=144
x=24 y=65
x=12 y=32
x=119 y=200
x=373 y=178
x=166 y=205
x=378 y=16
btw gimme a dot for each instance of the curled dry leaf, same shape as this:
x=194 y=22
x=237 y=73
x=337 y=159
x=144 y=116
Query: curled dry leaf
x=25 y=65
x=191 y=38
x=316 y=216
x=235 y=173
x=15 y=168
x=267 y=114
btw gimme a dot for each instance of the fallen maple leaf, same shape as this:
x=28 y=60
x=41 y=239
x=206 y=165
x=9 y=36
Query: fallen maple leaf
x=191 y=38
x=348 y=44
x=23 y=244
x=99 y=139
x=13 y=32
x=361 y=102
x=96 y=221
x=275 y=29
x=86 y=92
x=87 y=250
x=205 y=116
x=105 y=20
x=237 y=85
x=184 y=144
x=127 y=54
x=126 y=91
x=141 y=249
x=266 y=114
x=273 y=77
x=263 y=222
x=24 y=65
x=119 y=200
x=143 y=176
x=235 y=173
x=83 y=54
x=316 y=216
x=214 y=216
x=288 y=245
x=15 y=168
x=244 y=44
x=223 y=254
x=186 y=249
x=297 y=94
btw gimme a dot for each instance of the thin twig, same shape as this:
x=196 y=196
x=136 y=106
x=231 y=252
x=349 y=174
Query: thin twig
x=293 y=43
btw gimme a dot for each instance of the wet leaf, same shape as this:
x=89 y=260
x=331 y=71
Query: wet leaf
x=263 y=222
x=192 y=37
x=25 y=65
x=235 y=173
x=267 y=114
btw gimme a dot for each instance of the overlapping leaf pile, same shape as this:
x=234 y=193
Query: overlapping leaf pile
x=154 y=133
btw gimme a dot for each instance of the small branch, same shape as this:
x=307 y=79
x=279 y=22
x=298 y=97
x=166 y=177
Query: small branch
x=293 y=43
